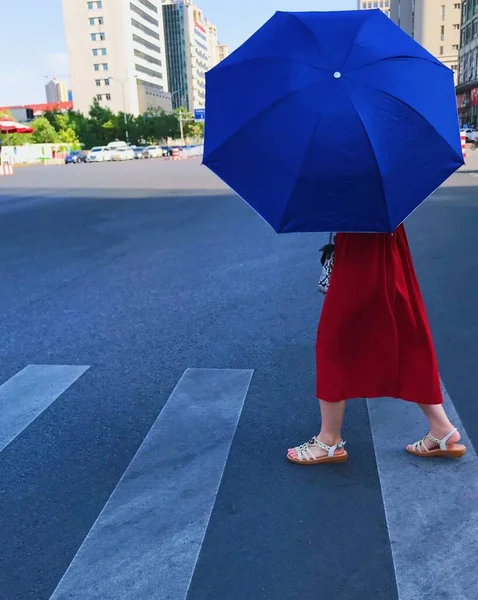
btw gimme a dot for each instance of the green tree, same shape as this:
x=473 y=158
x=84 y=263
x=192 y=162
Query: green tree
x=43 y=132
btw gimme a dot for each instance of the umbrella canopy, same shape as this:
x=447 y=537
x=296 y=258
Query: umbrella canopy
x=332 y=121
x=7 y=126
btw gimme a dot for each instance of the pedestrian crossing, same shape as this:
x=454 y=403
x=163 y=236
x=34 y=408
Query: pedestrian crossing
x=147 y=539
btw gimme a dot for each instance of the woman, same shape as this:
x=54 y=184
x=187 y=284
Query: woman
x=374 y=341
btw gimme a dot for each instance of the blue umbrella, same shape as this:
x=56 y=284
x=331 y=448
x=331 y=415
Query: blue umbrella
x=333 y=121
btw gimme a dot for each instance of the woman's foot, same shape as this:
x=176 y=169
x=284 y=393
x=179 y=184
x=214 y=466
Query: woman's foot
x=439 y=443
x=317 y=451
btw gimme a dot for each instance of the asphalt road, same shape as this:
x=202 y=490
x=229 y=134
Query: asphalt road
x=145 y=290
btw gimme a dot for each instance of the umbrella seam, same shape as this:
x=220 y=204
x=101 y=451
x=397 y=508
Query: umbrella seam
x=352 y=45
x=414 y=110
x=313 y=35
x=248 y=122
x=375 y=159
x=281 y=223
x=399 y=57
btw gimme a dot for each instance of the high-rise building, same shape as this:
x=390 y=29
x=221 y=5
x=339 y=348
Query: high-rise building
x=56 y=91
x=117 y=54
x=222 y=52
x=467 y=88
x=192 y=49
x=435 y=24
x=383 y=5
x=187 y=44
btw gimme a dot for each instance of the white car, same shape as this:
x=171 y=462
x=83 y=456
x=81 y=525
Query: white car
x=471 y=134
x=122 y=154
x=154 y=151
x=99 y=154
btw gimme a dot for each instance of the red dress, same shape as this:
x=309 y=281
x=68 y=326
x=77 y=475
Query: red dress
x=374 y=339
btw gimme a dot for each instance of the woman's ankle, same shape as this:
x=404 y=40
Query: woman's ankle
x=330 y=438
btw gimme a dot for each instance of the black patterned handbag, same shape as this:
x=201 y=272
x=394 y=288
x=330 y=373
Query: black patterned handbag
x=327 y=260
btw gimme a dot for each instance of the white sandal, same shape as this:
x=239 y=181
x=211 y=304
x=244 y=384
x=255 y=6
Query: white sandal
x=443 y=451
x=306 y=457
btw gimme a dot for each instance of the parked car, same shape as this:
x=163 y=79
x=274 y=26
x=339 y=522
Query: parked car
x=75 y=157
x=166 y=151
x=122 y=153
x=155 y=151
x=99 y=154
x=471 y=134
x=140 y=152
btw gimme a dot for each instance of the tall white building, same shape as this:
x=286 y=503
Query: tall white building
x=383 y=5
x=117 y=54
x=435 y=24
x=56 y=91
x=192 y=49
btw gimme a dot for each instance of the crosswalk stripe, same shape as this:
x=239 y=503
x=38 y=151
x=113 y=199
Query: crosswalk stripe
x=146 y=541
x=28 y=393
x=430 y=505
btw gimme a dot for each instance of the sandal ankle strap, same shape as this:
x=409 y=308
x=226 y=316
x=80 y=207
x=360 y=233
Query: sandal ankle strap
x=304 y=451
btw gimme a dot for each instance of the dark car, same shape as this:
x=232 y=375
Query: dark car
x=75 y=157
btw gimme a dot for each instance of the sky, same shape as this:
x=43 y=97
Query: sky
x=37 y=50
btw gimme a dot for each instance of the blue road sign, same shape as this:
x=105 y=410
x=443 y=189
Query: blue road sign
x=199 y=114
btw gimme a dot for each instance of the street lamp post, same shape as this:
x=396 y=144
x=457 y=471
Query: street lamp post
x=123 y=83
x=181 y=121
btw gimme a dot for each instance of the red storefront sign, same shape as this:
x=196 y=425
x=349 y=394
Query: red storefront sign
x=474 y=97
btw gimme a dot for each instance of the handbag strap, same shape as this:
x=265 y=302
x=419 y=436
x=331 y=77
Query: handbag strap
x=331 y=238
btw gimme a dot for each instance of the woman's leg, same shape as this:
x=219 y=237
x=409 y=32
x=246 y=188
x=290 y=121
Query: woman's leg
x=331 y=430
x=439 y=423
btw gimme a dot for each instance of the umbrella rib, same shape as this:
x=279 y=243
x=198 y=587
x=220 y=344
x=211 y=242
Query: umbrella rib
x=314 y=129
x=371 y=87
x=391 y=58
x=305 y=26
x=374 y=157
x=278 y=101
x=352 y=45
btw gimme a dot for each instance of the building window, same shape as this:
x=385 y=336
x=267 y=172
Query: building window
x=149 y=72
x=456 y=5
x=456 y=47
x=441 y=50
x=107 y=81
x=442 y=33
x=108 y=96
x=98 y=82
x=105 y=66
x=97 y=4
x=144 y=29
x=90 y=5
x=95 y=37
x=443 y=12
x=143 y=14
x=96 y=67
x=103 y=51
x=145 y=43
x=95 y=51
x=96 y=21
x=456 y=26
x=99 y=97
x=149 y=5
x=147 y=57
x=454 y=68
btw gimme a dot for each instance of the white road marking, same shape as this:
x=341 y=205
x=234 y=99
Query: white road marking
x=146 y=541
x=431 y=506
x=28 y=393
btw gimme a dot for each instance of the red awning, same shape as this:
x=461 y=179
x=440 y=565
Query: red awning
x=7 y=126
